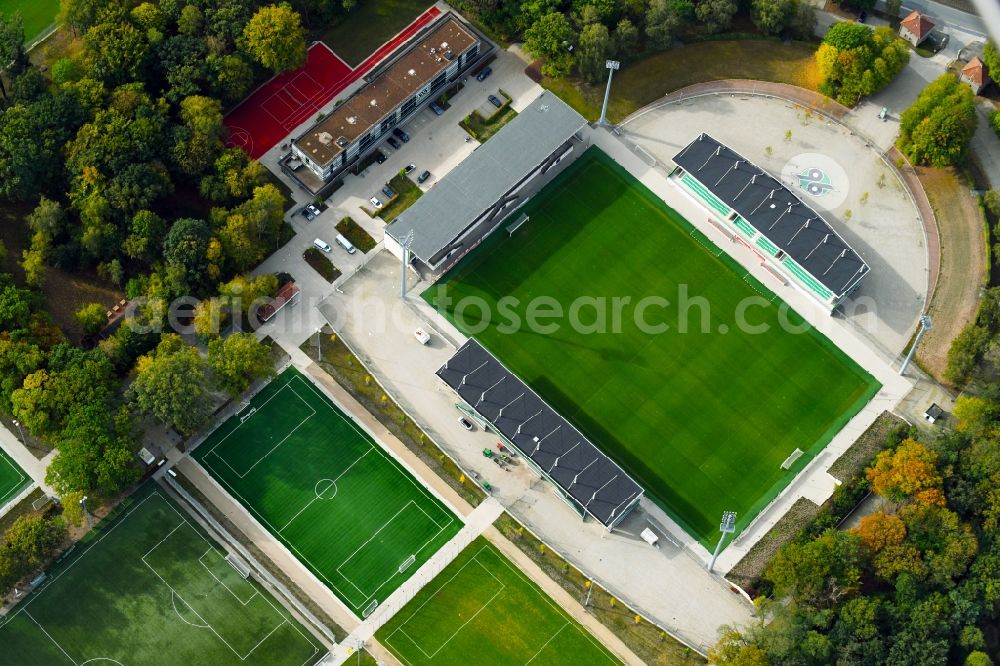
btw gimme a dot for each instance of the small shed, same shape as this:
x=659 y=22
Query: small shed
x=976 y=75
x=934 y=413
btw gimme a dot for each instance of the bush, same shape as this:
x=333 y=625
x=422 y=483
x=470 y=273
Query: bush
x=995 y=122
x=966 y=350
x=92 y=318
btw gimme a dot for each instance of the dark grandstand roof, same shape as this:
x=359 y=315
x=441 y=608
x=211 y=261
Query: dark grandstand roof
x=594 y=482
x=775 y=212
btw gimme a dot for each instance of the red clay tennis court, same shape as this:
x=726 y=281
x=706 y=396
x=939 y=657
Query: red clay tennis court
x=268 y=115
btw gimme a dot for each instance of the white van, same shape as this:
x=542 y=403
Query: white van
x=322 y=245
x=346 y=244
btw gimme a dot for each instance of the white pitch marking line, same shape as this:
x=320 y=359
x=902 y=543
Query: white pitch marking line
x=551 y=638
x=339 y=476
x=463 y=625
x=54 y=641
x=221 y=582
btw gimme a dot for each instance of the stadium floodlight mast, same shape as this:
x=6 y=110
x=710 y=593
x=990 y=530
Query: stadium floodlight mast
x=405 y=243
x=20 y=430
x=611 y=65
x=925 y=325
x=726 y=526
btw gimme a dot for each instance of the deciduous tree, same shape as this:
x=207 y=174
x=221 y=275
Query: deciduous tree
x=171 y=385
x=595 y=47
x=91 y=318
x=550 y=38
x=239 y=360
x=274 y=37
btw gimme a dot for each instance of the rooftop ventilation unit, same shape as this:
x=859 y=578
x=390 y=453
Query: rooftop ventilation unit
x=373 y=103
x=449 y=55
x=411 y=72
x=325 y=138
x=351 y=120
x=342 y=142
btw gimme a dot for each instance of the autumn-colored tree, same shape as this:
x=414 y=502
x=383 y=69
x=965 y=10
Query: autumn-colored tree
x=971 y=412
x=881 y=529
x=735 y=649
x=274 y=37
x=905 y=471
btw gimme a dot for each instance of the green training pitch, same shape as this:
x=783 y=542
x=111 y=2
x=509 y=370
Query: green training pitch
x=481 y=605
x=703 y=420
x=325 y=489
x=148 y=587
x=12 y=479
x=38 y=15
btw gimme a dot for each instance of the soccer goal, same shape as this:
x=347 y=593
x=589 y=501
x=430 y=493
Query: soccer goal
x=369 y=609
x=790 y=460
x=517 y=224
x=241 y=567
x=244 y=417
x=407 y=563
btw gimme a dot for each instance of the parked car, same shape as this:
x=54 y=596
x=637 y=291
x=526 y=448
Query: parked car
x=380 y=156
x=436 y=108
x=310 y=212
x=387 y=191
x=465 y=423
x=495 y=101
x=409 y=168
x=422 y=336
x=321 y=244
x=481 y=76
x=403 y=136
x=375 y=202
x=424 y=176
x=392 y=142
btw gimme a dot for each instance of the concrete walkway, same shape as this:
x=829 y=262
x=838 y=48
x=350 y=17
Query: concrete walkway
x=31 y=465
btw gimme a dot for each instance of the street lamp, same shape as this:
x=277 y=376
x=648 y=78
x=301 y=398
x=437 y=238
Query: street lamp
x=611 y=65
x=726 y=526
x=925 y=325
x=405 y=243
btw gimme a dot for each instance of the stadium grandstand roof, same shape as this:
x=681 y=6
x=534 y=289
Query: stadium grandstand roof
x=594 y=482
x=775 y=212
x=492 y=170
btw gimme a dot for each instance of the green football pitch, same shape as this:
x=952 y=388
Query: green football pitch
x=325 y=489
x=12 y=479
x=702 y=416
x=481 y=605
x=37 y=14
x=148 y=587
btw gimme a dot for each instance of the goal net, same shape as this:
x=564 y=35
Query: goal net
x=517 y=224
x=369 y=608
x=790 y=460
x=407 y=563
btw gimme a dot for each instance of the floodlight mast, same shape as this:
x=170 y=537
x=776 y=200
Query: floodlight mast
x=611 y=65
x=726 y=526
x=925 y=325
x=405 y=243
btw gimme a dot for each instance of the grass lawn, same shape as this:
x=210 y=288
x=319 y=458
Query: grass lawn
x=12 y=479
x=326 y=490
x=38 y=14
x=407 y=194
x=702 y=419
x=148 y=587
x=644 y=81
x=481 y=608
x=482 y=129
x=353 y=232
x=369 y=25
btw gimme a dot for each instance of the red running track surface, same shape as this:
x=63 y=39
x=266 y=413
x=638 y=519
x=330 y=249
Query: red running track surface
x=272 y=111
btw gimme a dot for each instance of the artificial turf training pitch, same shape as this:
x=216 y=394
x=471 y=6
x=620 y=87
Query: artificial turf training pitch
x=325 y=489
x=12 y=479
x=148 y=587
x=481 y=605
x=703 y=420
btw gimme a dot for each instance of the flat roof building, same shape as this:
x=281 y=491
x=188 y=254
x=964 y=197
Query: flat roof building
x=750 y=206
x=424 y=66
x=485 y=188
